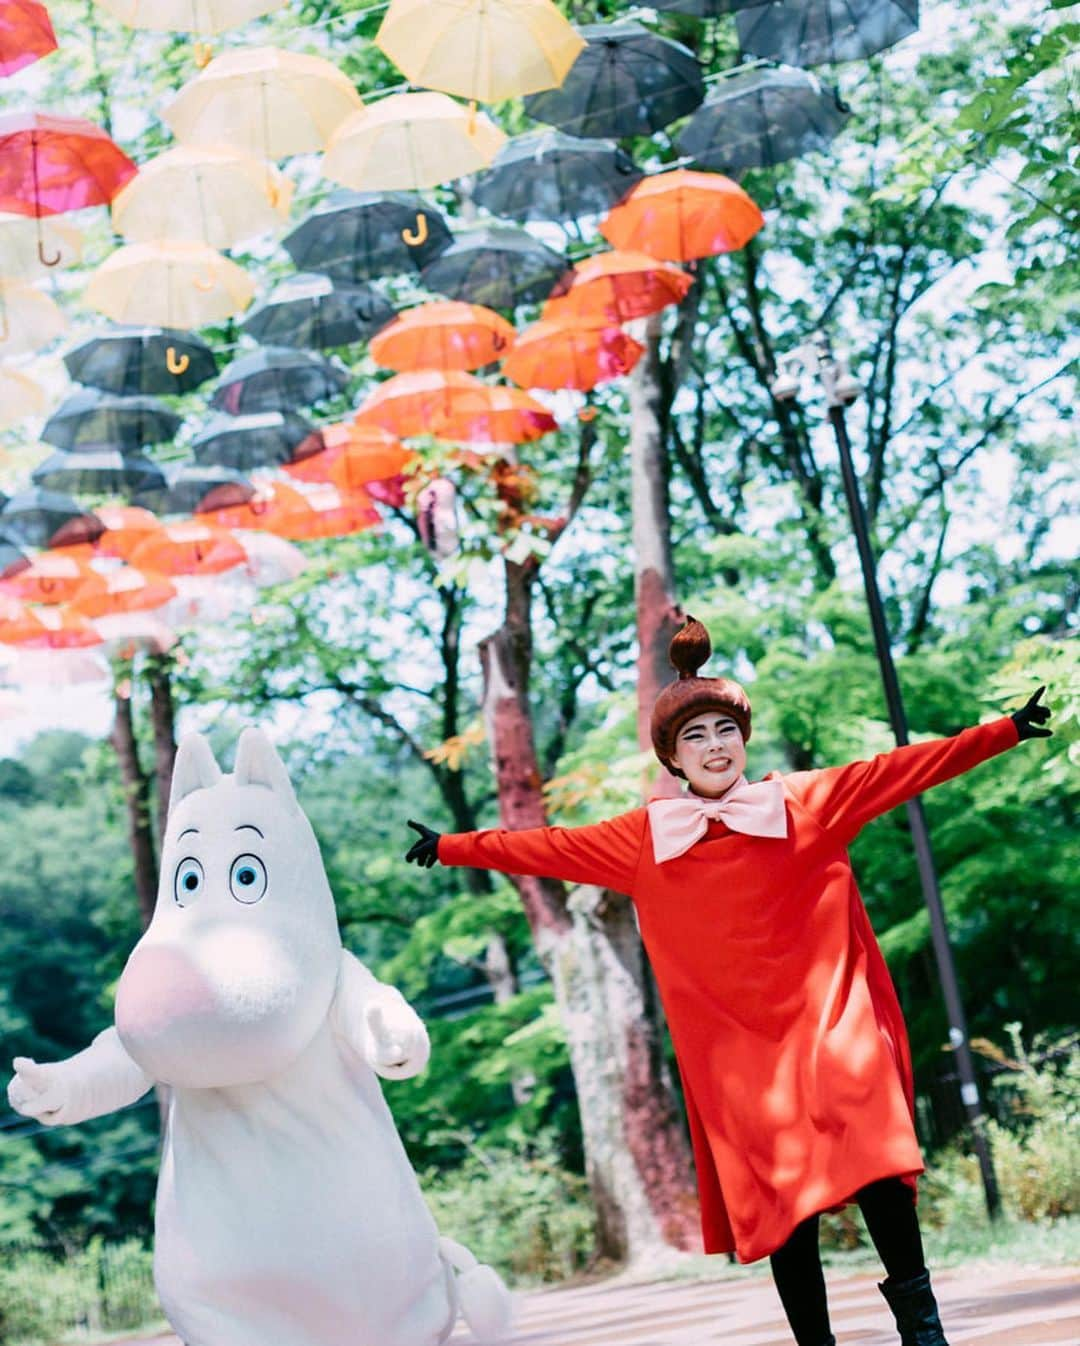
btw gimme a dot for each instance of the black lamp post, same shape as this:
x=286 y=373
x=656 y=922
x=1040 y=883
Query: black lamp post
x=841 y=389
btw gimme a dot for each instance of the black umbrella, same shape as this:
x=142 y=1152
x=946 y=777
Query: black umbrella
x=39 y=518
x=191 y=487
x=626 y=81
x=499 y=267
x=247 y=442
x=355 y=236
x=311 y=311
x=133 y=360
x=277 y=379
x=91 y=419
x=551 y=176
x=12 y=559
x=104 y=472
x=822 y=32
x=760 y=117
x=702 y=9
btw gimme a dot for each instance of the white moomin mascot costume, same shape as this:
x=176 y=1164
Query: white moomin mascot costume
x=287 y=1210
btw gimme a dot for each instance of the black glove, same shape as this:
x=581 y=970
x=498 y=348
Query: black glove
x=1028 y=718
x=425 y=851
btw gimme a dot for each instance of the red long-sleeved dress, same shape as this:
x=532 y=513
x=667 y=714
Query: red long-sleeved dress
x=788 y=1033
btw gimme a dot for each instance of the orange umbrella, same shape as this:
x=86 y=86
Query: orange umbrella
x=58 y=629
x=455 y=406
x=52 y=577
x=18 y=623
x=444 y=334
x=126 y=589
x=683 y=215
x=557 y=355
x=330 y=513
x=617 y=286
x=125 y=527
x=269 y=508
x=188 y=548
x=354 y=455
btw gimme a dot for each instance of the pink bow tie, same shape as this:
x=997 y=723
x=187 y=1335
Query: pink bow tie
x=756 y=809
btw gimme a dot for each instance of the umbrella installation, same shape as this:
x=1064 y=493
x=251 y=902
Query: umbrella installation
x=443 y=335
x=824 y=32
x=26 y=34
x=142 y=360
x=548 y=175
x=314 y=312
x=683 y=215
x=354 y=236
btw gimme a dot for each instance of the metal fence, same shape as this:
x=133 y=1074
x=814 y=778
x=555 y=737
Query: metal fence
x=100 y=1288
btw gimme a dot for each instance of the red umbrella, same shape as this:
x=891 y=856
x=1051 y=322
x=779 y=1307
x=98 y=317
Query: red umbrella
x=330 y=513
x=572 y=355
x=26 y=34
x=455 y=405
x=616 y=287
x=50 y=165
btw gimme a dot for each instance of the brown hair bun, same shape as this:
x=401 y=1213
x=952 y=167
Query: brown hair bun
x=690 y=647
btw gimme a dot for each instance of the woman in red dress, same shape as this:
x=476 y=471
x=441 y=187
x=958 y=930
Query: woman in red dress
x=789 y=1037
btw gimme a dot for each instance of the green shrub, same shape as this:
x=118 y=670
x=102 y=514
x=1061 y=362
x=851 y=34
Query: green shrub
x=517 y=1208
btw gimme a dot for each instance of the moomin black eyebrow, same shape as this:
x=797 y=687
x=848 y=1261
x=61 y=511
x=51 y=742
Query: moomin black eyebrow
x=250 y=826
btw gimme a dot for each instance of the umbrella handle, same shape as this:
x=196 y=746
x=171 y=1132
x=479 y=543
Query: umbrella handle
x=176 y=364
x=48 y=261
x=5 y=330
x=204 y=283
x=588 y=413
x=415 y=237
x=202 y=53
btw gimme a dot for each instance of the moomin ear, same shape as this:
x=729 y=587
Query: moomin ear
x=194 y=769
x=257 y=763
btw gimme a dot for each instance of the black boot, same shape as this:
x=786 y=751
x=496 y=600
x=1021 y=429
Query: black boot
x=915 y=1311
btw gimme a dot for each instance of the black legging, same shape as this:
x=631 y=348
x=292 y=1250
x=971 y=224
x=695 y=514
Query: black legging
x=888 y=1208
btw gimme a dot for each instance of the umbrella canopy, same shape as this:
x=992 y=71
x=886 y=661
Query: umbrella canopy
x=682 y=215
x=52 y=577
x=274 y=379
x=20 y=396
x=444 y=334
x=50 y=165
x=190 y=487
x=617 y=286
x=24 y=242
x=57 y=629
x=205 y=17
x=626 y=82
x=125 y=589
x=355 y=456
x=500 y=267
x=134 y=360
x=91 y=419
x=40 y=518
x=269 y=506
x=28 y=318
x=482 y=49
x=330 y=513
x=26 y=34
x=17 y=622
x=823 y=32
x=267 y=439
x=355 y=236
x=58 y=668
x=313 y=312
x=190 y=547
x=755 y=118
x=702 y=9
x=210 y=194
x=99 y=472
x=455 y=406
x=125 y=633
x=262 y=100
x=169 y=284
x=270 y=559
x=12 y=559
x=575 y=355
x=551 y=176
x=410 y=140
x=125 y=527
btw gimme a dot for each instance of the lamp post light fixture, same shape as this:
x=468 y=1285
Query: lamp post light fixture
x=815 y=358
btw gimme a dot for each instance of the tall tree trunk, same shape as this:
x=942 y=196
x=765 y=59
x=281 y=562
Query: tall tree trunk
x=136 y=786
x=163 y=720
x=636 y=1156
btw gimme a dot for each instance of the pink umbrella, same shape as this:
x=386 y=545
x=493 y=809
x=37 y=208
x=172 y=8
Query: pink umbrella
x=26 y=34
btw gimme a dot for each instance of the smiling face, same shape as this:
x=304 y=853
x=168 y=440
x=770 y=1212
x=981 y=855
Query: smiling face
x=710 y=752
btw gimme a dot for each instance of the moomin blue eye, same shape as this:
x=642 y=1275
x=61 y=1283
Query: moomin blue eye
x=187 y=881
x=247 y=878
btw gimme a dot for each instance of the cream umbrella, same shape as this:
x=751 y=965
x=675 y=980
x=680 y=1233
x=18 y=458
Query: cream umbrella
x=205 y=17
x=208 y=194
x=20 y=235
x=20 y=396
x=28 y=318
x=410 y=140
x=262 y=100
x=480 y=49
x=166 y=284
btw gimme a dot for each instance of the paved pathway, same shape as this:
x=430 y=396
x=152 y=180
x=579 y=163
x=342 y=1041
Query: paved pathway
x=987 y=1306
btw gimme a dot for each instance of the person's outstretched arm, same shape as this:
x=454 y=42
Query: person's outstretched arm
x=605 y=854
x=845 y=798
x=97 y=1080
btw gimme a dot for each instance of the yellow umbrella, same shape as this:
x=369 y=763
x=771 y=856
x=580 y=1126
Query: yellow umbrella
x=28 y=318
x=203 y=193
x=480 y=49
x=169 y=284
x=19 y=244
x=410 y=140
x=205 y=17
x=265 y=101
x=20 y=396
